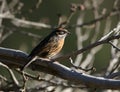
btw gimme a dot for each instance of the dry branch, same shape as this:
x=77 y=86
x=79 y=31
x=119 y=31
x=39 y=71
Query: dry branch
x=97 y=43
x=18 y=58
x=112 y=35
x=23 y=23
x=28 y=24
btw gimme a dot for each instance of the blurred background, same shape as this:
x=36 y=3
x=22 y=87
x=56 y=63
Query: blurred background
x=23 y=23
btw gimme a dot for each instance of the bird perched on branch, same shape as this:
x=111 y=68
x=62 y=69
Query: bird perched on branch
x=49 y=46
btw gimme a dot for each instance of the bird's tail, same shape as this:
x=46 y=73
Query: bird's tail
x=30 y=60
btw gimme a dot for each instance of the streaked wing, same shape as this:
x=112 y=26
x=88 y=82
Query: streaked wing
x=39 y=47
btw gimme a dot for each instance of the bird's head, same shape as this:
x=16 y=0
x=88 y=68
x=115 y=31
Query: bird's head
x=61 y=32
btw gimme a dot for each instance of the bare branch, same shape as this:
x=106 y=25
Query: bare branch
x=97 y=43
x=112 y=13
x=11 y=73
x=18 y=58
x=112 y=35
x=23 y=23
x=77 y=67
x=114 y=46
x=113 y=75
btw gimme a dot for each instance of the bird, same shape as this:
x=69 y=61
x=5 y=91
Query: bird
x=49 y=46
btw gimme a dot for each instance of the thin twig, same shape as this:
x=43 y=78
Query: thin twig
x=3 y=78
x=23 y=23
x=77 y=67
x=114 y=46
x=115 y=67
x=5 y=36
x=23 y=32
x=112 y=13
x=113 y=75
x=11 y=73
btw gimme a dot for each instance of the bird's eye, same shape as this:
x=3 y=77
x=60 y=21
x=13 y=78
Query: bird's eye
x=61 y=33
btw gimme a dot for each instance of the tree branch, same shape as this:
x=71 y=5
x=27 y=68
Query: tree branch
x=18 y=59
x=23 y=23
x=112 y=35
x=97 y=43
